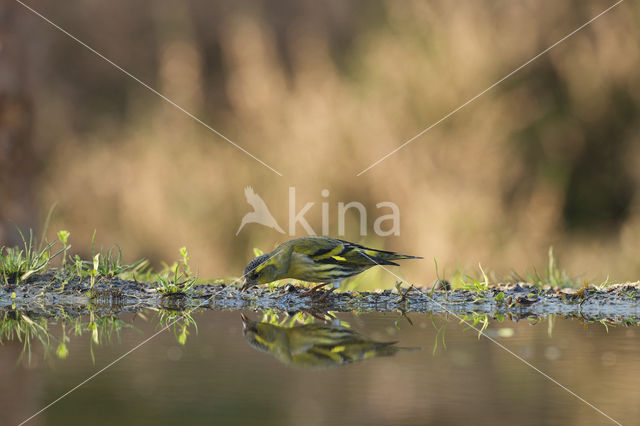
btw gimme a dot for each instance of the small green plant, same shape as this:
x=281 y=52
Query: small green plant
x=107 y=264
x=177 y=279
x=440 y=281
x=18 y=264
x=110 y=263
x=553 y=276
x=63 y=237
x=94 y=272
x=185 y=258
x=479 y=288
x=402 y=292
x=78 y=265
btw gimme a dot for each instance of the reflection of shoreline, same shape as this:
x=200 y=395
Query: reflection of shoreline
x=27 y=328
x=314 y=345
x=54 y=329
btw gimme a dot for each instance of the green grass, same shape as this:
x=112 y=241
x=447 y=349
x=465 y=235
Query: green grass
x=102 y=264
x=177 y=278
x=19 y=263
x=480 y=288
x=553 y=276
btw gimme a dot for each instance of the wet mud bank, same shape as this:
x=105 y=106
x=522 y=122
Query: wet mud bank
x=48 y=295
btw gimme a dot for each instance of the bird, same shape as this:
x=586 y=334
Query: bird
x=314 y=345
x=316 y=259
x=260 y=213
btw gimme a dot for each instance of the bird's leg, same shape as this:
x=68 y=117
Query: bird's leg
x=314 y=289
x=245 y=286
x=336 y=285
x=325 y=295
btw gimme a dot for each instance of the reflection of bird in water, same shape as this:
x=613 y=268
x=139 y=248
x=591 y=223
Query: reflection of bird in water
x=260 y=213
x=314 y=345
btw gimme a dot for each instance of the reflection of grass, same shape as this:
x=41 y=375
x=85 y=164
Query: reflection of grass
x=17 y=325
x=180 y=321
x=440 y=334
x=475 y=319
x=101 y=330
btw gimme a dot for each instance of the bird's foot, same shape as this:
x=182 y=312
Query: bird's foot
x=289 y=288
x=324 y=296
x=314 y=290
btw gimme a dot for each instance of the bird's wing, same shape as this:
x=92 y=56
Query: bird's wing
x=379 y=257
x=333 y=251
x=321 y=250
x=317 y=248
x=322 y=335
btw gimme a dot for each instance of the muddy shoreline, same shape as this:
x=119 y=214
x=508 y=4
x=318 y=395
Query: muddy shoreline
x=45 y=295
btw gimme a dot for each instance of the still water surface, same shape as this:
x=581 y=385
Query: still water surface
x=218 y=377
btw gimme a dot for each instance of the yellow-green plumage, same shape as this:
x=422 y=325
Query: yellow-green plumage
x=314 y=345
x=316 y=259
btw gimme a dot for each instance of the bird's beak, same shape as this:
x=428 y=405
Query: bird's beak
x=248 y=325
x=245 y=285
x=245 y=321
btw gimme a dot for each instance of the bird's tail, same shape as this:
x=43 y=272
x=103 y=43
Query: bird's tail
x=383 y=257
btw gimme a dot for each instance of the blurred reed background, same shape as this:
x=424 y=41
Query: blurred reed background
x=319 y=91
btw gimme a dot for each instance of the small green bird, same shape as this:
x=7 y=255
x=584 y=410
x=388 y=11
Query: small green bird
x=316 y=259
x=314 y=345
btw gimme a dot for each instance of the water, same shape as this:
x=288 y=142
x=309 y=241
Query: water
x=217 y=377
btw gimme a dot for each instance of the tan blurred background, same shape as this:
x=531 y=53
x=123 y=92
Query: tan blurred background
x=319 y=91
